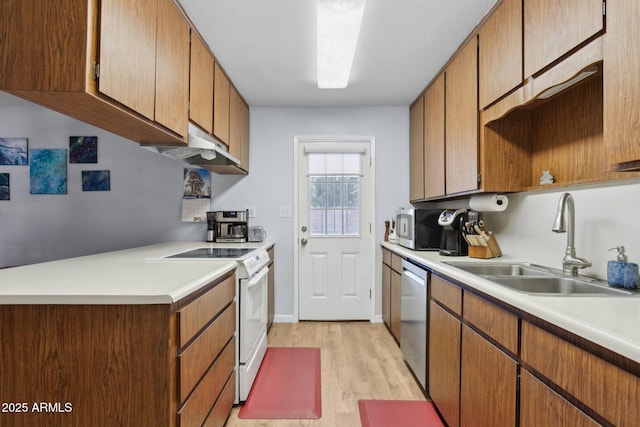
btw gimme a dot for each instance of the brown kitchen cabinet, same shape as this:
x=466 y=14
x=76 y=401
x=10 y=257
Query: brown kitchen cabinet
x=434 y=138
x=99 y=62
x=416 y=150
x=541 y=406
x=488 y=383
x=238 y=134
x=201 y=84
x=392 y=291
x=461 y=120
x=221 y=87
x=500 y=55
x=605 y=390
x=445 y=340
x=621 y=86
x=130 y=365
x=554 y=28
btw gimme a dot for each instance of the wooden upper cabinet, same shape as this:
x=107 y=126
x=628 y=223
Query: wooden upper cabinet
x=552 y=28
x=38 y=53
x=434 y=142
x=201 y=84
x=621 y=85
x=128 y=53
x=172 y=68
x=239 y=128
x=500 y=56
x=416 y=150
x=461 y=120
x=221 y=88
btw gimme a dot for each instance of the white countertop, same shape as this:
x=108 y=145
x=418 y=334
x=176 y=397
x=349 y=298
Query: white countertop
x=119 y=277
x=610 y=321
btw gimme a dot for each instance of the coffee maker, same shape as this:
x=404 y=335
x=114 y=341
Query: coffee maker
x=211 y=226
x=231 y=226
x=452 y=242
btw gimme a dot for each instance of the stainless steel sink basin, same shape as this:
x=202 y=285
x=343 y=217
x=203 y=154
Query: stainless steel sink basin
x=556 y=286
x=538 y=280
x=502 y=269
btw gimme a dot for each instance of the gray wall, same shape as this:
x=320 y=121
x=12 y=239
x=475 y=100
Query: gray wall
x=143 y=206
x=270 y=182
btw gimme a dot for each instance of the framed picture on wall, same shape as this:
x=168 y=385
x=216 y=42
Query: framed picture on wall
x=96 y=181
x=13 y=151
x=83 y=149
x=48 y=171
x=5 y=188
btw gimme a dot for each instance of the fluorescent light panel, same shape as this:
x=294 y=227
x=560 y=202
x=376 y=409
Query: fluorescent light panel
x=339 y=24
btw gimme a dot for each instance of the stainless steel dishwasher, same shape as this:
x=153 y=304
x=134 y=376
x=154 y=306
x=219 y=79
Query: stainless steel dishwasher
x=413 y=320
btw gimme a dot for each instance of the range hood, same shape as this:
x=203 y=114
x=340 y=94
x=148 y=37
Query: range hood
x=201 y=150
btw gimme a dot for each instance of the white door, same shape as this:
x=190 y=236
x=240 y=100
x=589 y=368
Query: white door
x=334 y=233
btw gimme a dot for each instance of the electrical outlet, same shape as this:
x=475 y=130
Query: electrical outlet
x=252 y=211
x=285 y=211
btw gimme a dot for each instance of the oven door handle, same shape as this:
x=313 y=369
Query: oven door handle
x=255 y=280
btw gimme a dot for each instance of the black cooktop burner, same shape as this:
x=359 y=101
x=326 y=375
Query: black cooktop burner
x=213 y=253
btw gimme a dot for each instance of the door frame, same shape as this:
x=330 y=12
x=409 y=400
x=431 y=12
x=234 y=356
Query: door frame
x=297 y=140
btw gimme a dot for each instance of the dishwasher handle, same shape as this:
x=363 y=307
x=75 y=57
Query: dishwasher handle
x=419 y=280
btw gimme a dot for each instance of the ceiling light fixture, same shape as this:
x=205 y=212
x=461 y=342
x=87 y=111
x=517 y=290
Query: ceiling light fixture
x=339 y=24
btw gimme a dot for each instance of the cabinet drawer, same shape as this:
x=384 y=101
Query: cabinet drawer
x=222 y=408
x=541 y=406
x=601 y=386
x=492 y=320
x=396 y=262
x=195 y=359
x=447 y=294
x=195 y=410
x=197 y=314
x=386 y=256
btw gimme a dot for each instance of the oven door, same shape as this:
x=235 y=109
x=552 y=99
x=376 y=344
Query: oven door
x=253 y=312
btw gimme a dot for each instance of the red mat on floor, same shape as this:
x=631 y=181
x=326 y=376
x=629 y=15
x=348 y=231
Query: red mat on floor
x=405 y=413
x=287 y=385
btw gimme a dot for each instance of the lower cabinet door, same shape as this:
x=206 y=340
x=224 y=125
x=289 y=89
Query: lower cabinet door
x=541 y=406
x=488 y=378
x=444 y=363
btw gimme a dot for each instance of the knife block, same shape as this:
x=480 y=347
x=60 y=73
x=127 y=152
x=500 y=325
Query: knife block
x=492 y=250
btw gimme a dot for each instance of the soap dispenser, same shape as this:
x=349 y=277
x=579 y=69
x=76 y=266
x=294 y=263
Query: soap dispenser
x=622 y=273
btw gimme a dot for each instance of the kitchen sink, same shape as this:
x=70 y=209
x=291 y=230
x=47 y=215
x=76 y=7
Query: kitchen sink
x=556 y=285
x=539 y=280
x=508 y=269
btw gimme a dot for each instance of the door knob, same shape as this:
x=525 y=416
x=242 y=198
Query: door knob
x=303 y=241
x=304 y=228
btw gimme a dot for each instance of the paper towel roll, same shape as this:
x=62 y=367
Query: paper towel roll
x=488 y=203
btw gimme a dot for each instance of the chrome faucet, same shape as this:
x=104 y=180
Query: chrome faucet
x=559 y=226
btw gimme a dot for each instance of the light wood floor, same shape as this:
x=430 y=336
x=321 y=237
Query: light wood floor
x=359 y=360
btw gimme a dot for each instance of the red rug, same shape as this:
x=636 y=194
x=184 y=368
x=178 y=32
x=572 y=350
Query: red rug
x=287 y=385
x=405 y=413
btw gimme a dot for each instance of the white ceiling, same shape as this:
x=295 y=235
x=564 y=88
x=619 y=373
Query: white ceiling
x=268 y=48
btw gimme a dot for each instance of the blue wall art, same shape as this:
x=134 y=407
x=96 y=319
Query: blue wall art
x=48 y=171
x=83 y=149
x=13 y=151
x=4 y=186
x=96 y=181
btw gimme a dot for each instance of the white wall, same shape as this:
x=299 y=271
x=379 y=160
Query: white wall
x=143 y=206
x=270 y=181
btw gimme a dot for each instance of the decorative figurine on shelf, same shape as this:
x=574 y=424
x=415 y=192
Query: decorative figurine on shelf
x=546 y=178
x=386 y=230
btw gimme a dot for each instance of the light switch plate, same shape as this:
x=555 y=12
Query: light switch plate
x=285 y=211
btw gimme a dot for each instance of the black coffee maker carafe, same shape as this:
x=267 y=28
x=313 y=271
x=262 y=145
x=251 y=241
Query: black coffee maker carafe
x=453 y=242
